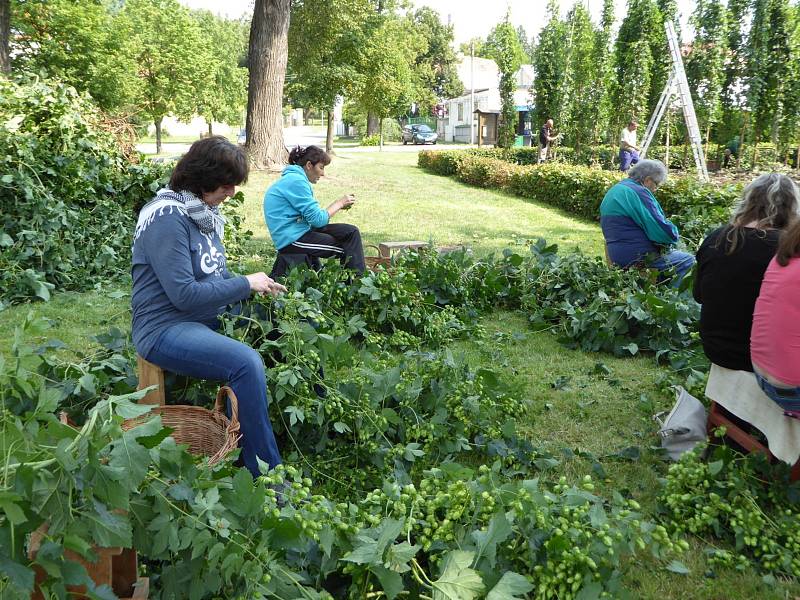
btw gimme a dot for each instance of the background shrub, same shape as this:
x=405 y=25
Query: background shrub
x=67 y=192
x=371 y=140
x=694 y=206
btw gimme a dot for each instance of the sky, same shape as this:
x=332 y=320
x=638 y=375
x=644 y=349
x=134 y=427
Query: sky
x=470 y=18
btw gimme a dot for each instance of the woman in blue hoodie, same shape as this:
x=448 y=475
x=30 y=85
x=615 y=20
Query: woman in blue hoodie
x=296 y=221
x=181 y=284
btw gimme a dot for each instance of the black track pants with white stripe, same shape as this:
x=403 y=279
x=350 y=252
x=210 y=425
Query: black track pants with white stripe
x=335 y=239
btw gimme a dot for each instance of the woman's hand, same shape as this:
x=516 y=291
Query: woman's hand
x=343 y=203
x=261 y=284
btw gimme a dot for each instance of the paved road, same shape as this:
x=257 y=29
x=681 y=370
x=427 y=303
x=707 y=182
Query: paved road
x=302 y=136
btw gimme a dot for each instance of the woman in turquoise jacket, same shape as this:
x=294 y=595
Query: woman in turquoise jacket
x=296 y=221
x=635 y=227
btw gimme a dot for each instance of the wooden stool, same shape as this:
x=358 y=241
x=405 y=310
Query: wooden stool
x=718 y=416
x=386 y=248
x=150 y=374
x=115 y=567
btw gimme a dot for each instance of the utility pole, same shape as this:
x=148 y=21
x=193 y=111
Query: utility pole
x=472 y=92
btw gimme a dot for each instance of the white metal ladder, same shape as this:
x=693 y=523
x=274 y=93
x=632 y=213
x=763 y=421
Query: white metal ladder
x=677 y=84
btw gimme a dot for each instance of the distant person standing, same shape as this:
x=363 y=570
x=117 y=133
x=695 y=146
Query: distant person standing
x=628 y=150
x=546 y=136
x=731 y=149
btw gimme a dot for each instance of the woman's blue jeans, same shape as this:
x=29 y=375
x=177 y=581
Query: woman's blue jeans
x=787 y=398
x=196 y=350
x=681 y=262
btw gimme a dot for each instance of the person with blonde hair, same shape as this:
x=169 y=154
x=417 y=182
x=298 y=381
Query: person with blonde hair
x=731 y=263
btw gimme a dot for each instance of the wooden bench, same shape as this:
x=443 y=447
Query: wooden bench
x=387 y=248
x=739 y=431
x=150 y=374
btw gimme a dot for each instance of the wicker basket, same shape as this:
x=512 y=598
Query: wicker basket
x=206 y=432
x=373 y=262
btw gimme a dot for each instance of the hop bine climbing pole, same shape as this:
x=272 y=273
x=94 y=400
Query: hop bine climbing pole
x=677 y=86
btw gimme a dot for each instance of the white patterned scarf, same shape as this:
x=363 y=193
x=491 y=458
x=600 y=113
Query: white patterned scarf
x=207 y=218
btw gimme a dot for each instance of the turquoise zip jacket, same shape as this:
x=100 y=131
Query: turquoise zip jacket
x=634 y=224
x=290 y=208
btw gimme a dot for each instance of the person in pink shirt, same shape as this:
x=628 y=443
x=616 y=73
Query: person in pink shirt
x=775 y=336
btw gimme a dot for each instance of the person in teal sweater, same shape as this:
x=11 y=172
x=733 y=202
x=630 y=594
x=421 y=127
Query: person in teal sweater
x=634 y=226
x=299 y=225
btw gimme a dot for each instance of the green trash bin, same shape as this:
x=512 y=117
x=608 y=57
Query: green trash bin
x=518 y=141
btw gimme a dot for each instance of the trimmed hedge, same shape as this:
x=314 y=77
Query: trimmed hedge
x=578 y=190
x=605 y=157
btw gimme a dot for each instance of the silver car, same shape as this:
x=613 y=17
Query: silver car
x=419 y=134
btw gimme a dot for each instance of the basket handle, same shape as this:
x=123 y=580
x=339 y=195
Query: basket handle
x=219 y=406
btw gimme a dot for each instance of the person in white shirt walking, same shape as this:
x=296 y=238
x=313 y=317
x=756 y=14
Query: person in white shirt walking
x=628 y=150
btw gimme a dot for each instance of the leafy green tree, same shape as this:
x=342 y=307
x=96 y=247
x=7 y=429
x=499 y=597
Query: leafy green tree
x=477 y=45
x=387 y=56
x=508 y=54
x=527 y=44
x=599 y=109
x=662 y=12
x=80 y=43
x=171 y=56
x=549 y=65
x=767 y=64
x=736 y=36
x=669 y=11
x=222 y=93
x=633 y=61
x=436 y=65
x=790 y=126
x=705 y=65
x=577 y=92
x=324 y=44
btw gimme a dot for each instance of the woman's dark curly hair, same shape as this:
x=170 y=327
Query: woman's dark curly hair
x=313 y=154
x=209 y=164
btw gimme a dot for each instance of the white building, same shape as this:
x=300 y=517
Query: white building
x=481 y=79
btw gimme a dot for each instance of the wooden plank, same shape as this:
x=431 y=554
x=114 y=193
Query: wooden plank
x=150 y=374
x=719 y=416
x=386 y=248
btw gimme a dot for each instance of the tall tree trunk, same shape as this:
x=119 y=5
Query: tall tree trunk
x=157 y=123
x=268 y=54
x=210 y=132
x=373 y=123
x=306 y=115
x=329 y=134
x=5 y=36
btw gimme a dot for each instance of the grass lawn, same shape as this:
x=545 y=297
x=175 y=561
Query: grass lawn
x=573 y=403
x=395 y=200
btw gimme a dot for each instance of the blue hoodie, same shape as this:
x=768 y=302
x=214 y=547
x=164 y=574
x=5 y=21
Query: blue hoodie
x=290 y=208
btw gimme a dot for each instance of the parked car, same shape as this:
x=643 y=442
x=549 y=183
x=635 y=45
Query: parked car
x=242 y=137
x=419 y=134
